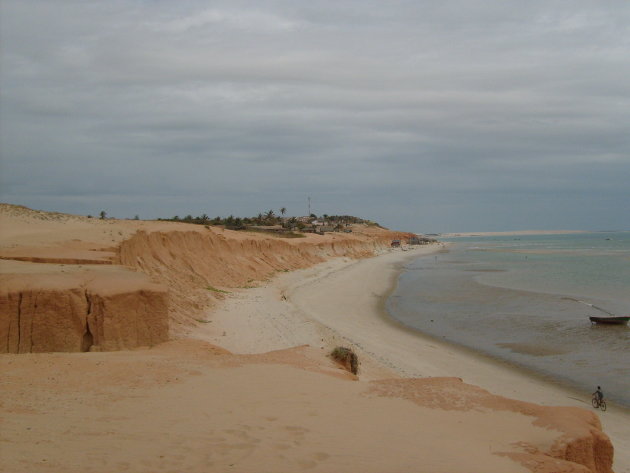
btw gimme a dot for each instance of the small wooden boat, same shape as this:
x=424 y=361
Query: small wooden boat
x=610 y=320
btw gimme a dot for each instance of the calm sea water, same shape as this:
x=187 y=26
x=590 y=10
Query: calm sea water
x=517 y=299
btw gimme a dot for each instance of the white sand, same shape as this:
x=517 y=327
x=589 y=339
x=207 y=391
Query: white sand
x=341 y=302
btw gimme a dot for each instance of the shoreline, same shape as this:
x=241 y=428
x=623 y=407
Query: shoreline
x=343 y=302
x=562 y=383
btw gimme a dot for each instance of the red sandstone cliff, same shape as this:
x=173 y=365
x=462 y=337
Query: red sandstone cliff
x=71 y=283
x=80 y=311
x=190 y=261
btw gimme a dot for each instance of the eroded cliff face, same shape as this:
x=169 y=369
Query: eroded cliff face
x=123 y=289
x=193 y=264
x=82 y=311
x=229 y=259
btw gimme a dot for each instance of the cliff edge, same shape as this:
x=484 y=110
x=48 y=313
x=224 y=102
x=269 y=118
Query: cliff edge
x=72 y=283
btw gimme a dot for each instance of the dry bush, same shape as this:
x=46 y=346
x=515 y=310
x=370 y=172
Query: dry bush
x=347 y=358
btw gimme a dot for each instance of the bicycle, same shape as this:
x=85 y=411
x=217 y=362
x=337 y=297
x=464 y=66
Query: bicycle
x=597 y=403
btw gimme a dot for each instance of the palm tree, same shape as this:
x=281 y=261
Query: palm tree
x=283 y=210
x=269 y=216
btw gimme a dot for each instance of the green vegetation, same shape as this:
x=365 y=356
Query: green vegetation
x=287 y=234
x=214 y=289
x=347 y=358
x=285 y=227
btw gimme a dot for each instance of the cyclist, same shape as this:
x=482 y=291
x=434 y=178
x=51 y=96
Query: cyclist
x=599 y=394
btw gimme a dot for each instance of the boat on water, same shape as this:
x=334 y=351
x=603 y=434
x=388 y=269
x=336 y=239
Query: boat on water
x=610 y=320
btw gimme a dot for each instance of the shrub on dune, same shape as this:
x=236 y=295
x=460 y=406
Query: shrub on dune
x=347 y=358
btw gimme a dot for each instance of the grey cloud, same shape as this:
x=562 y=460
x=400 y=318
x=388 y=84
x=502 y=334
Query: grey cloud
x=473 y=109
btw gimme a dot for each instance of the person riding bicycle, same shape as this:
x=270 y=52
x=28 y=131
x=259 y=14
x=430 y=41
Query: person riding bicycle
x=599 y=394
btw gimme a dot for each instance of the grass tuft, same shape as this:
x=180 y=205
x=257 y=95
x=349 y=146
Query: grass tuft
x=214 y=289
x=278 y=234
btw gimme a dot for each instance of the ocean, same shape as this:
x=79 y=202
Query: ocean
x=526 y=300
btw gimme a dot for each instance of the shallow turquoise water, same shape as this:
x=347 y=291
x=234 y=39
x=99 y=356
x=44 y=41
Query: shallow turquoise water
x=516 y=298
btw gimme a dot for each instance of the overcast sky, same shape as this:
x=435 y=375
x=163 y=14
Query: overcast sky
x=427 y=116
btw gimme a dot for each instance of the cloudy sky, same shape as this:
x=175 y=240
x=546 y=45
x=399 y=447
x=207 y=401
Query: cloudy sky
x=428 y=116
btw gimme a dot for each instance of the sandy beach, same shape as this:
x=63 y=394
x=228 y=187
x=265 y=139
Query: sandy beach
x=242 y=380
x=343 y=302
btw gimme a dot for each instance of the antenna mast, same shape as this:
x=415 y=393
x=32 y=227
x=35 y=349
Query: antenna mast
x=309 y=206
